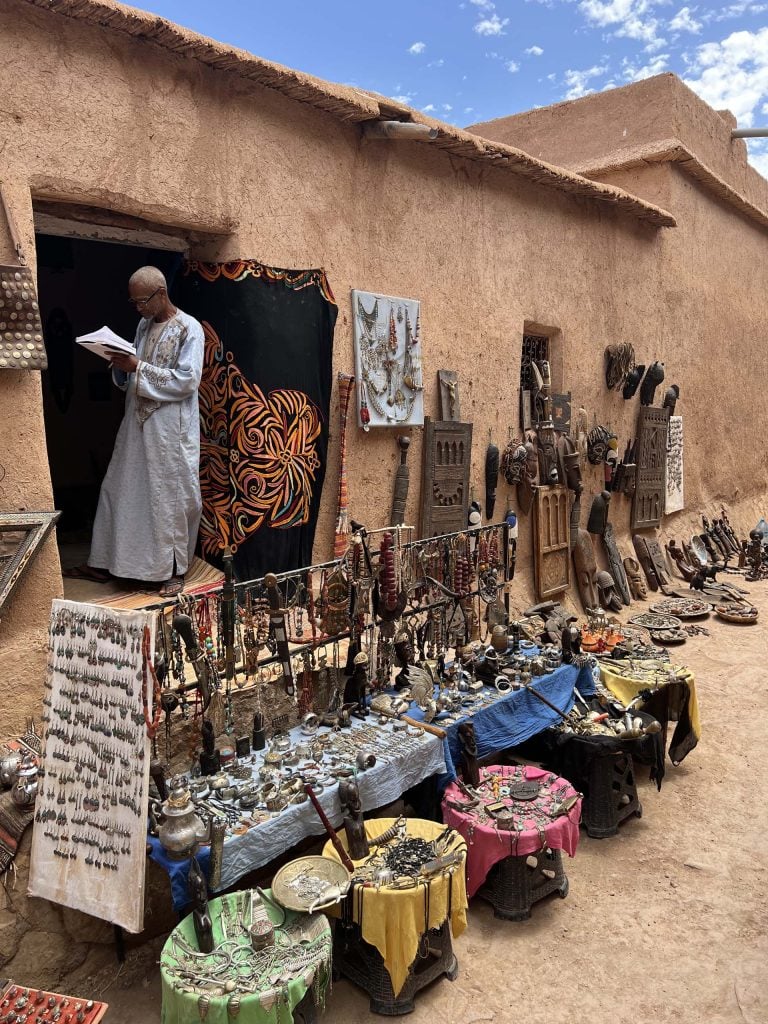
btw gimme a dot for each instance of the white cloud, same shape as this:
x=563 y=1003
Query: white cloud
x=436 y=63
x=404 y=98
x=447 y=107
x=578 y=81
x=416 y=48
x=468 y=110
x=534 y=51
x=732 y=73
x=429 y=109
x=684 y=21
x=512 y=66
x=735 y=11
x=484 y=5
x=632 y=73
x=758 y=155
x=632 y=18
x=492 y=26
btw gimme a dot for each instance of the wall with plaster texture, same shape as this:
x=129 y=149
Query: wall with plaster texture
x=93 y=117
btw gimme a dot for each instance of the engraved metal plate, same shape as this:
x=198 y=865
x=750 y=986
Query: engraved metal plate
x=524 y=790
x=21 y=332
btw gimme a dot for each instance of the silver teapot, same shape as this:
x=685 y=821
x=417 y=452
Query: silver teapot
x=25 y=788
x=9 y=767
x=181 y=830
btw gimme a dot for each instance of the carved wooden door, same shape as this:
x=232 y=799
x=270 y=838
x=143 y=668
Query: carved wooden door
x=445 y=476
x=551 y=541
x=651 y=488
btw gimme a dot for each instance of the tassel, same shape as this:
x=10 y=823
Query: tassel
x=346 y=384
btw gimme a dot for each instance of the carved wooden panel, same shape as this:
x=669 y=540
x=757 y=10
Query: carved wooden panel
x=651 y=487
x=445 y=476
x=551 y=541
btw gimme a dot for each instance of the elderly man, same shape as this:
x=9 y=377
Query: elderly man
x=149 y=506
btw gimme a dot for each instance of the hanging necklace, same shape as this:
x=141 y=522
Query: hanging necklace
x=148 y=667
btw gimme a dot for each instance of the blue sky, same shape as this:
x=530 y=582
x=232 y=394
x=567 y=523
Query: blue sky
x=473 y=60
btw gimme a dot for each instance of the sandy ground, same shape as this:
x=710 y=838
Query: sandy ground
x=666 y=922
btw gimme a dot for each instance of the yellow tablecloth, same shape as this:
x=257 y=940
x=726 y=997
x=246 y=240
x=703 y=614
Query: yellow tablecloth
x=393 y=920
x=651 y=675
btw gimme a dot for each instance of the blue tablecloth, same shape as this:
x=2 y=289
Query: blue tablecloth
x=515 y=717
x=178 y=870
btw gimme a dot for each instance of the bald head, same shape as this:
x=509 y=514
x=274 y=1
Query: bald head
x=148 y=277
x=148 y=291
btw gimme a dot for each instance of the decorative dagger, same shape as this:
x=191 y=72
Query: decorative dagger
x=402 y=480
x=196 y=655
x=277 y=620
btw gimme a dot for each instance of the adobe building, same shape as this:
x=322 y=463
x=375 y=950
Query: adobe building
x=624 y=216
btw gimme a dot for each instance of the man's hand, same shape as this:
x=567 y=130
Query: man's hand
x=125 y=361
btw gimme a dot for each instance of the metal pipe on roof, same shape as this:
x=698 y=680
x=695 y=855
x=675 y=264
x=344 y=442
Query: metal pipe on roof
x=749 y=133
x=398 y=130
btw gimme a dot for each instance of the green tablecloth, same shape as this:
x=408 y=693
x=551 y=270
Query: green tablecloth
x=267 y=990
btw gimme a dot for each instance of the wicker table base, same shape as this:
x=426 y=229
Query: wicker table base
x=611 y=795
x=362 y=964
x=512 y=887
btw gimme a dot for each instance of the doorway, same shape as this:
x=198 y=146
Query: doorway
x=83 y=285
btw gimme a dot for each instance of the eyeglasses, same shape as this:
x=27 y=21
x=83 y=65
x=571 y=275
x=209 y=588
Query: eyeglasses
x=141 y=303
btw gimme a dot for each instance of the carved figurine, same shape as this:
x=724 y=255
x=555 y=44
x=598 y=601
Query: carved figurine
x=586 y=570
x=635 y=579
x=679 y=559
x=527 y=484
x=754 y=553
x=357 y=685
x=651 y=381
x=404 y=657
x=210 y=758
x=570 y=643
x=470 y=769
x=201 y=918
x=354 y=826
x=609 y=599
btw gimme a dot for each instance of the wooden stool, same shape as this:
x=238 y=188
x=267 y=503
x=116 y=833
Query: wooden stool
x=362 y=964
x=512 y=887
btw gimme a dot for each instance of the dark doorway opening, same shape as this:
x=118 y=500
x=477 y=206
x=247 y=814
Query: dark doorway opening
x=82 y=286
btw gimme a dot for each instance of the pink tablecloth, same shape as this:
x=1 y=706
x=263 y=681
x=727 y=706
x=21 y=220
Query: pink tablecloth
x=536 y=828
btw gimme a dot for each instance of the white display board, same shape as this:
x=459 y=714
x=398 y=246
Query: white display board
x=90 y=827
x=390 y=384
x=675 y=500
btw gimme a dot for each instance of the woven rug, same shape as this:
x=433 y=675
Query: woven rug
x=200 y=578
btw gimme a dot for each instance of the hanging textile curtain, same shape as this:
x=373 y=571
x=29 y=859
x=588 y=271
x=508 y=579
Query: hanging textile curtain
x=264 y=404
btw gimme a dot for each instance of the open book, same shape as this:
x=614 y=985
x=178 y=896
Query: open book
x=106 y=343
